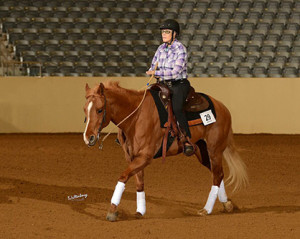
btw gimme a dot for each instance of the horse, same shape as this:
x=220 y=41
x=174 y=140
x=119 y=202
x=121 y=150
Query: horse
x=141 y=135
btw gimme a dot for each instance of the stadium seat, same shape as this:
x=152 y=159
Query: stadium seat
x=66 y=67
x=142 y=56
x=45 y=34
x=244 y=69
x=95 y=45
x=57 y=56
x=28 y=56
x=103 y=34
x=81 y=23
x=99 y=56
x=74 y=34
x=275 y=69
x=85 y=56
x=96 y=23
x=117 y=34
x=209 y=45
x=88 y=12
x=214 y=69
x=127 y=56
x=81 y=67
x=124 y=23
x=44 y=57
x=224 y=56
x=111 y=68
x=71 y=56
x=291 y=70
x=126 y=69
x=66 y=45
x=113 y=56
x=260 y=69
x=140 y=68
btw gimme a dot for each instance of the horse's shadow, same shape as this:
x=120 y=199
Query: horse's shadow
x=59 y=194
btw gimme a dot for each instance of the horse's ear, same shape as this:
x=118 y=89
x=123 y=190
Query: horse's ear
x=101 y=89
x=87 y=87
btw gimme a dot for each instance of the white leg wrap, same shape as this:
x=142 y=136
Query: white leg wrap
x=211 y=199
x=222 y=193
x=119 y=189
x=140 y=202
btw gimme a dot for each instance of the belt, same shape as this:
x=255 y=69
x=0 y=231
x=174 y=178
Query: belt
x=172 y=82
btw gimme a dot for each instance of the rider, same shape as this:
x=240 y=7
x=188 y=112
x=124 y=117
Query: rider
x=171 y=57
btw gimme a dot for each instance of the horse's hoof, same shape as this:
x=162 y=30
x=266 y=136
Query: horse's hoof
x=138 y=215
x=112 y=216
x=202 y=212
x=228 y=206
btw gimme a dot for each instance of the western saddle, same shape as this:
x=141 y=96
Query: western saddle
x=194 y=103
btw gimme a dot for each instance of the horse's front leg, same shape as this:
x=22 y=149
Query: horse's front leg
x=138 y=164
x=140 y=194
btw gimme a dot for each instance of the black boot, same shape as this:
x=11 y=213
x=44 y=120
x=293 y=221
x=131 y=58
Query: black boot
x=188 y=149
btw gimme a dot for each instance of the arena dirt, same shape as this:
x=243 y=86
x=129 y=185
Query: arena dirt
x=40 y=172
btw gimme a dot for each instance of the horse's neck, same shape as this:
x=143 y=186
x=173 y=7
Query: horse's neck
x=122 y=104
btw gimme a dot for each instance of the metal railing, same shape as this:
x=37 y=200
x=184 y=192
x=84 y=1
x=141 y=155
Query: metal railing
x=21 y=68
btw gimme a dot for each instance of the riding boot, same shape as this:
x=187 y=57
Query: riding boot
x=188 y=148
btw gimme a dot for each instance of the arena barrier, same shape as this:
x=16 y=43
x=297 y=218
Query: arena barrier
x=55 y=104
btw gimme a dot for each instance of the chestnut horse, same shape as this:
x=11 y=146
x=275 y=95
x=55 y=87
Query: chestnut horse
x=141 y=136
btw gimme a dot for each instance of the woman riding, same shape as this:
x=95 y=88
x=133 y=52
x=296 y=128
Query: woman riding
x=171 y=57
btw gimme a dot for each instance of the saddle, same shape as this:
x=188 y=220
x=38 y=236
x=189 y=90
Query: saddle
x=194 y=103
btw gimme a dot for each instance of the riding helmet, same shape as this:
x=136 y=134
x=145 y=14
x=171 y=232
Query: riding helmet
x=170 y=24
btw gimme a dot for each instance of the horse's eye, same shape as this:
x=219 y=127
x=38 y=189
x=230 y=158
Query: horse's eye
x=84 y=119
x=99 y=111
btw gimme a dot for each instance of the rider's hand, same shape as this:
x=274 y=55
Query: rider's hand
x=150 y=72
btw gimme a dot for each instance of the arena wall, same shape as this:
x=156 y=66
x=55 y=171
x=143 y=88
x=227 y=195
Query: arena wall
x=55 y=104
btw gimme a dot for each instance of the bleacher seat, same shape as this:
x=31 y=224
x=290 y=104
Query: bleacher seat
x=263 y=34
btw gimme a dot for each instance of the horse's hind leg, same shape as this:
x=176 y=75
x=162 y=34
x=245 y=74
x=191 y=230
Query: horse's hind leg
x=203 y=158
x=218 y=174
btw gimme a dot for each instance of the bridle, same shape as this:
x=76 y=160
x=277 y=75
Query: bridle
x=102 y=121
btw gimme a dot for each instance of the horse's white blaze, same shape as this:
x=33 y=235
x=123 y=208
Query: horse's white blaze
x=87 y=122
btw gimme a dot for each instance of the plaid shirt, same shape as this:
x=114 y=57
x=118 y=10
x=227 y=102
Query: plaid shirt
x=172 y=61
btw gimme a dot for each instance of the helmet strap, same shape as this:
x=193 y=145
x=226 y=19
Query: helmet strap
x=169 y=44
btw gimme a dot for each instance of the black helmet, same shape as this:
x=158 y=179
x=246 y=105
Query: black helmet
x=170 y=24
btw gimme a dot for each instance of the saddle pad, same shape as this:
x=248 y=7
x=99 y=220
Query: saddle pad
x=192 y=117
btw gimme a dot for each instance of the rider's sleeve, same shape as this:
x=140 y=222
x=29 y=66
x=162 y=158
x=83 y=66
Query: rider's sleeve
x=154 y=60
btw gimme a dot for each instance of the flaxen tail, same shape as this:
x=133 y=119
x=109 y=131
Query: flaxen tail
x=237 y=169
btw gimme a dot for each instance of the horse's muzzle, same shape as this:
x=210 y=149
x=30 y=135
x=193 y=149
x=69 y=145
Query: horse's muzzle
x=92 y=140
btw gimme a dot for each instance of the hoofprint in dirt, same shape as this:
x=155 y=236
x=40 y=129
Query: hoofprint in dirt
x=41 y=173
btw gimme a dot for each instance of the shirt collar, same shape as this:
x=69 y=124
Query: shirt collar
x=173 y=46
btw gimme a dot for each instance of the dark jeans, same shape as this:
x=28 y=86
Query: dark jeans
x=180 y=92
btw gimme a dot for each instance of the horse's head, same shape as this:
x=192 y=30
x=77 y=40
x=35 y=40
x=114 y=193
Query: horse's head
x=96 y=113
